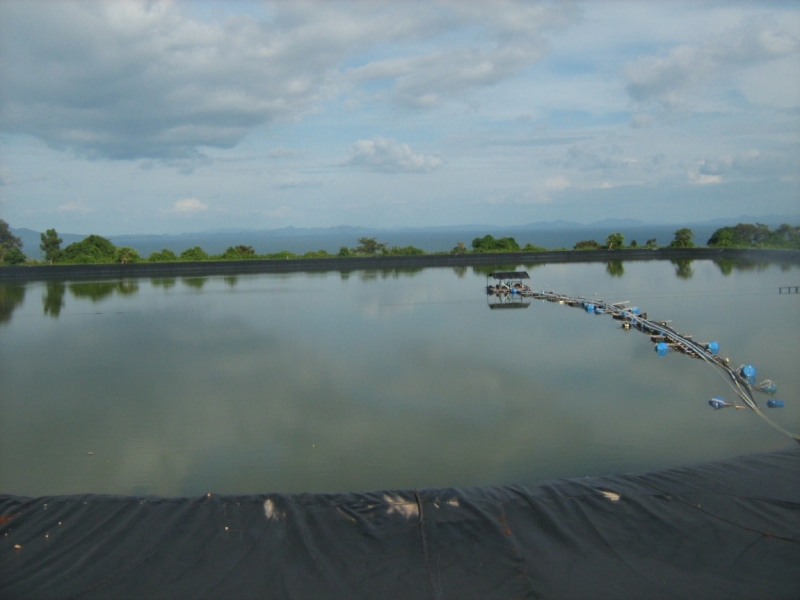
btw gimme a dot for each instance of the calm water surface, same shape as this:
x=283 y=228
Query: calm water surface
x=374 y=380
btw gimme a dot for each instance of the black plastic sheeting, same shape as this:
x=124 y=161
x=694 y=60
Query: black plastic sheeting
x=722 y=530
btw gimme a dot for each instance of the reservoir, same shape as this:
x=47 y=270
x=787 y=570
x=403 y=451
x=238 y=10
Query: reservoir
x=370 y=380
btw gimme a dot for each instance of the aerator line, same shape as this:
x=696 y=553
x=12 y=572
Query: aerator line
x=509 y=289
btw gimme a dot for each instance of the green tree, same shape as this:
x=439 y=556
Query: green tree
x=51 y=245
x=651 y=244
x=15 y=256
x=344 y=251
x=746 y=235
x=633 y=244
x=683 y=238
x=587 y=245
x=317 y=254
x=403 y=251
x=196 y=253
x=614 y=241
x=126 y=254
x=8 y=240
x=165 y=255
x=92 y=249
x=239 y=253
x=531 y=248
x=369 y=246
x=459 y=248
x=489 y=244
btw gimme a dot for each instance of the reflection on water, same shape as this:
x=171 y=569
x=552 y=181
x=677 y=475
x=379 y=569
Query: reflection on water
x=373 y=274
x=727 y=266
x=11 y=296
x=194 y=282
x=683 y=268
x=53 y=299
x=99 y=290
x=163 y=282
x=230 y=280
x=615 y=268
x=312 y=382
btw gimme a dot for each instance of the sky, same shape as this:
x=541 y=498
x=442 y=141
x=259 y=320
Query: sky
x=168 y=117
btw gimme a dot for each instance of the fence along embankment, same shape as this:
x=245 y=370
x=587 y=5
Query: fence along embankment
x=235 y=267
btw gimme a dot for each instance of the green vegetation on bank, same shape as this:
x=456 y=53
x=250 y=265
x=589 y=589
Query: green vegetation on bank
x=96 y=249
x=756 y=236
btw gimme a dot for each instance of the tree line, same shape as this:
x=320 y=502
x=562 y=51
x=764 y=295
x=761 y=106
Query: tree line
x=97 y=249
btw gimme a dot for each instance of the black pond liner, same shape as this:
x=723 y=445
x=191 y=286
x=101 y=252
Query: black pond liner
x=728 y=529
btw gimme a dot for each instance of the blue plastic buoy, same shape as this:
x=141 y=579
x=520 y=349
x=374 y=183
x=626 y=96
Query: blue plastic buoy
x=662 y=348
x=635 y=310
x=716 y=403
x=775 y=403
x=769 y=388
x=713 y=347
x=514 y=291
x=590 y=308
x=749 y=374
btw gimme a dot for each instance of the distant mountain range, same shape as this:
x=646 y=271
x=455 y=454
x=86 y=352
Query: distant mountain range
x=549 y=234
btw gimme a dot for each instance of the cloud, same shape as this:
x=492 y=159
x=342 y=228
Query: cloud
x=298 y=184
x=750 y=164
x=604 y=159
x=129 y=80
x=281 y=152
x=388 y=156
x=73 y=207
x=510 y=40
x=701 y=179
x=189 y=206
x=670 y=80
x=559 y=182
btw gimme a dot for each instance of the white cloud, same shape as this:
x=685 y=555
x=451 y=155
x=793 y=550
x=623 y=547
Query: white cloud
x=601 y=159
x=130 y=80
x=389 y=156
x=701 y=179
x=674 y=79
x=188 y=206
x=507 y=38
x=559 y=182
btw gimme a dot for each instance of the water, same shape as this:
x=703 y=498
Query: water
x=374 y=380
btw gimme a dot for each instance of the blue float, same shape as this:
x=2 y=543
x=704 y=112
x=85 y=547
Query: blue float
x=590 y=308
x=749 y=374
x=662 y=348
x=775 y=403
x=769 y=388
x=635 y=310
x=716 y=403
x=713 y=347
